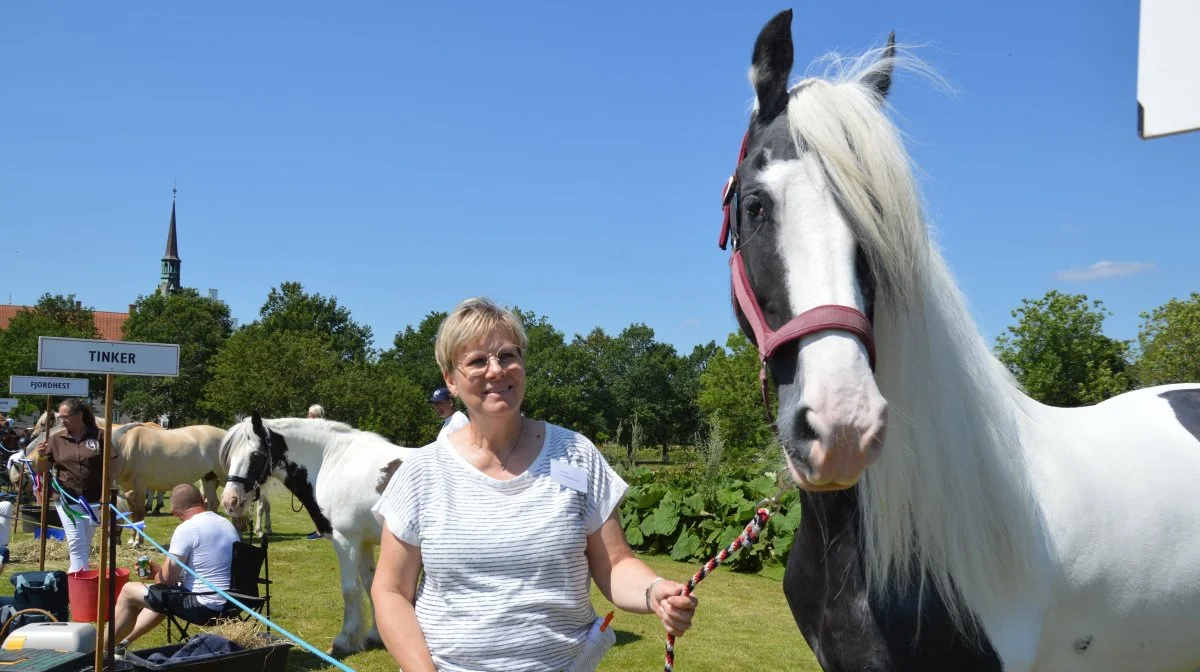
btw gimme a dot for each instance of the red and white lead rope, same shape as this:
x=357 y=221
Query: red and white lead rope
x=745 y=539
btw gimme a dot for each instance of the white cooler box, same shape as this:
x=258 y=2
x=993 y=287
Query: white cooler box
x=68 y=636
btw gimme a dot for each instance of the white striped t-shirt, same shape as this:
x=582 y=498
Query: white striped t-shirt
x=506 y=580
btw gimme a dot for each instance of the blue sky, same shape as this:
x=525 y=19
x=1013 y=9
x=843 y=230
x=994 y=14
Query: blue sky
x=560 y=156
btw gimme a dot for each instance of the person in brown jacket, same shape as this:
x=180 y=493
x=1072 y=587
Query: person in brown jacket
x=77 y=455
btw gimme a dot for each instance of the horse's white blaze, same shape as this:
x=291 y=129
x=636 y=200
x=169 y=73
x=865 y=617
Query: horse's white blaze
x=838 y=390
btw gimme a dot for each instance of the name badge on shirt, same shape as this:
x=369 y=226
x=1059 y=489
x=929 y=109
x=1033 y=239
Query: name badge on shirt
x=92 y=445
x=568 y=475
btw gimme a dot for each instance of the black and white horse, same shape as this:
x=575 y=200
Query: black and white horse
x=338 y=473
x=949 y=521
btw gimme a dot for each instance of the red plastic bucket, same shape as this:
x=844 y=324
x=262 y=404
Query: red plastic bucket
x=82 y=587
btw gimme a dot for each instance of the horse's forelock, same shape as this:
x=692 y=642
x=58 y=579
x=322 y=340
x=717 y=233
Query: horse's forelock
x=239 y=432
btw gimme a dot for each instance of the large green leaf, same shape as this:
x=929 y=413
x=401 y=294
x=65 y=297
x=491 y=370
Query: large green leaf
x=634 y=536
x=773 y=569
x=663 y=521
x=693 y=504
x=763 y=486
x=686 y=546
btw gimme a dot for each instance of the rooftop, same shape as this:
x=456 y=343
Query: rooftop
x=107 y=323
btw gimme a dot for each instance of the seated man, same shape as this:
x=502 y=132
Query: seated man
x=202 y=541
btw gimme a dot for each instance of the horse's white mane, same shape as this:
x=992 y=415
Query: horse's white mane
x=313 y=429
x=949 y=497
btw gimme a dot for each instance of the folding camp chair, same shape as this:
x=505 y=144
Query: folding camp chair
x=250 y=570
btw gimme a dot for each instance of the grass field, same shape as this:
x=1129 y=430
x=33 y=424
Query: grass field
x=742 y=623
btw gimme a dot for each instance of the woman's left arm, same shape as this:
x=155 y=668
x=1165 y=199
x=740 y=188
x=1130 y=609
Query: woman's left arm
x=630 y=584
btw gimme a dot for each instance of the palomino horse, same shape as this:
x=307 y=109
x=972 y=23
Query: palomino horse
x=985 y=531
x=338 y=473
x=153 y=458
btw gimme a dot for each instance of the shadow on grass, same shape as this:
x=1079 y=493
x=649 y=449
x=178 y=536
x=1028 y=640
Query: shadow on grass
x=275 y=537
x=625 y=637
x=300 y=659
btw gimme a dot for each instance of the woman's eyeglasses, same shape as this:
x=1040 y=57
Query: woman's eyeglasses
x=476 y=364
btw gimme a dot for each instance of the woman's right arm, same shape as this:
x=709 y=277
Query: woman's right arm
x=394 y=590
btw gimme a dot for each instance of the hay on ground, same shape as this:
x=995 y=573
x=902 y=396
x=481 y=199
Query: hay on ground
x=249 y=634
x=26 y=550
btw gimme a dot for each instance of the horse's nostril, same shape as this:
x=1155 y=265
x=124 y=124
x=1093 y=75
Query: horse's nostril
x=804 y=430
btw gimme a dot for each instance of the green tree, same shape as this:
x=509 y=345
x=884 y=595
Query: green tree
x=687 y=418
x=290 y=308
x=598 y=350
x=642 y=374
x=731 y=398
x=1169 y=343
x=1059 y=354
x=412 y=353
x=559 y=378
x=276 y=372
x=52 y=315
x=200 y=326
x=368 y=396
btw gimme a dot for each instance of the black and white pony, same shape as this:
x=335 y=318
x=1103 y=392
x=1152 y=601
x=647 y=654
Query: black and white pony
x=338 y=473
x=949 y=521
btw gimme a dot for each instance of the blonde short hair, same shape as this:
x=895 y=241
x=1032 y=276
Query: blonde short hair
x=471 y=321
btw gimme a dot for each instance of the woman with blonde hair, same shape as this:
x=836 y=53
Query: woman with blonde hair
x=508 y=517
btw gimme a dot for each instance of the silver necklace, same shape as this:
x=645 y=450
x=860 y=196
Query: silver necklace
x=517 y=444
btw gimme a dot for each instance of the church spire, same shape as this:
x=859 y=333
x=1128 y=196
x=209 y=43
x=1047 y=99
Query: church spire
x=169 y=280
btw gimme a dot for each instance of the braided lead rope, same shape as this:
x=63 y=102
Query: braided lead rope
x=745 y=540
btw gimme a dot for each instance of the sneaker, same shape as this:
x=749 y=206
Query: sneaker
x=314 y=536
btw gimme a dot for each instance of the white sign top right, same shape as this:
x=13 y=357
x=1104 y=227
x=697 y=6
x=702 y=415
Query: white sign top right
x=1168 y=68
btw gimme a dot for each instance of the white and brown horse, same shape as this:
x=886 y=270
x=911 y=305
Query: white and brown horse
x=338 y=473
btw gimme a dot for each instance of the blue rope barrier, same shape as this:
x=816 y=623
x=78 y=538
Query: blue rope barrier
x=309 y=647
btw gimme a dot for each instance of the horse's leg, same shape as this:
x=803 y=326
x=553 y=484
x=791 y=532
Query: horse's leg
x=366 y=574
x=349 y=555
x=262 y=518
x=209 y=482
x=137 y=510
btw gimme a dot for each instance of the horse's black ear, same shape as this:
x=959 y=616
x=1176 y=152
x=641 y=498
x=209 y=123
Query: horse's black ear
x=256 y=422
x=771 y=66
x=880 y=78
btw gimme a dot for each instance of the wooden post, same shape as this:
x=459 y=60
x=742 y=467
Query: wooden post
x=102 y=587
x=45 y=488
x=111 y=517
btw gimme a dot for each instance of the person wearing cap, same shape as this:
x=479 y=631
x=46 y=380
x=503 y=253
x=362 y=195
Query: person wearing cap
x=452 y=418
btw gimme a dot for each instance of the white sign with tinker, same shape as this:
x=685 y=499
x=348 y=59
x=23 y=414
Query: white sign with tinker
x=123 y=358
x=46 y=385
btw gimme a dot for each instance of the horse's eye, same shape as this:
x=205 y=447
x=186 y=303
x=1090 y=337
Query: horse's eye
x=754 y=207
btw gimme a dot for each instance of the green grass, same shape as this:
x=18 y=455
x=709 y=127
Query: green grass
x=742 y=623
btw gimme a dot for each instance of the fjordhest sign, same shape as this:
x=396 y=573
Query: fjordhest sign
x=122 y=358
x=45 y=385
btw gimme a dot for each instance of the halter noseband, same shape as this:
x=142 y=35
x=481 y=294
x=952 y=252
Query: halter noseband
x=821 y=318
x=248 y=483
